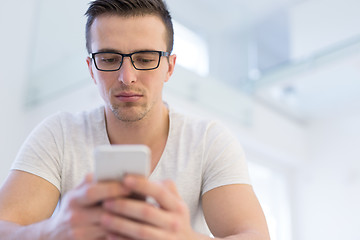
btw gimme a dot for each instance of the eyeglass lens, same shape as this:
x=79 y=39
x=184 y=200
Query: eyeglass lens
x=141 y=60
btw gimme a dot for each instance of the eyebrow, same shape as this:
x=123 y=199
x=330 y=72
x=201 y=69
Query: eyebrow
x=117 y=51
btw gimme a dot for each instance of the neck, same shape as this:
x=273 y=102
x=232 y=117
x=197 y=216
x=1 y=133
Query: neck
x=152 y=130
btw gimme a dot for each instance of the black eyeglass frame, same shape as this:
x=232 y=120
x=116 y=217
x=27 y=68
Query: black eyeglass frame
x=161 y=54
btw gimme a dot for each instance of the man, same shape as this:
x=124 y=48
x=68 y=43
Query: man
x=198 y=171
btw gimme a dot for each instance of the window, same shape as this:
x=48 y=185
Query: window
x=271 y=189
x=191 y=50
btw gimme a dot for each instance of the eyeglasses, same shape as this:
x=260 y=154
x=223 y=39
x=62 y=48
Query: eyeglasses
x=142 y=60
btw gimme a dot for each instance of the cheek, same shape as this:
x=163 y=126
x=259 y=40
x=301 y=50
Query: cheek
x=103 y=88
x=97 y=77
x=157 y=81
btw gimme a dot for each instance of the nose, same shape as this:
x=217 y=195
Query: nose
x=127 y=72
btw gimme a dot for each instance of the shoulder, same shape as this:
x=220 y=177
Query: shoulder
x=75 y=119
x=66 y=124
x=96 y=114
x=209 y=128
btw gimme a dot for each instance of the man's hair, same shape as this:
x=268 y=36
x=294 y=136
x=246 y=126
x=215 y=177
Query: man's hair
x=129 y=8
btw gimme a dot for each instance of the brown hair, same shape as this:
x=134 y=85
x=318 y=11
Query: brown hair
x=129 y=8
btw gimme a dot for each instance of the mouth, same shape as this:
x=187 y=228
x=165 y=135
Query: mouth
x=128 y=96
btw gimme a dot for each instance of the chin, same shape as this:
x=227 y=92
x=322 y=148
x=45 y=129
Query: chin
x=126 y=114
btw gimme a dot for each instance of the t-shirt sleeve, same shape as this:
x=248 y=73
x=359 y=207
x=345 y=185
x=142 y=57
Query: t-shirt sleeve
x=41 y=152
x=224 y=159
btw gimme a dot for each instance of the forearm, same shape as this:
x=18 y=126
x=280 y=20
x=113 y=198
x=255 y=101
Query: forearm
x=13 y=231
x=240 y=236
x=247 y=236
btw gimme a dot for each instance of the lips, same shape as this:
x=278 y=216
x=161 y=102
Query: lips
x=128 y=96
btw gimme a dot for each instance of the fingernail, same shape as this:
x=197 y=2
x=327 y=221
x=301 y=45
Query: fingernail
x=129 y=181
x=111 y=237
x=106 y=219
x=108 y=204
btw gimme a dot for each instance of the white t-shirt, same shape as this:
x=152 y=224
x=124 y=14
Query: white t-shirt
x=199 y=155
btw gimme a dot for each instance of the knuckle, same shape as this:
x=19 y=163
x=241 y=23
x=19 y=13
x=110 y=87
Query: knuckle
x=161 y=194
x=147 y=212
x=76 y=234
x=175 y=224
x=90 y=193
x=70 y=199
x=114 y=189
x=73 y=218
x=143 y=232
x=182 y=208
x=110 y=189
x=120 y=205
x=171 y=237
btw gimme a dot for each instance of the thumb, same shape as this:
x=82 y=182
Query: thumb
x=89 y=178
x=170 y=185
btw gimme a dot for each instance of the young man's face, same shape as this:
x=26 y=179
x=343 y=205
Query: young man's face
x=129 y=93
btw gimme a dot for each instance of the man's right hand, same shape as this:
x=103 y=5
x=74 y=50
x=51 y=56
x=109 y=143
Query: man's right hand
x=80 y=211
x=27 y=203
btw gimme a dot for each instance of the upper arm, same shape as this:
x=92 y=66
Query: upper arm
x=26 y=198
x=233 y=209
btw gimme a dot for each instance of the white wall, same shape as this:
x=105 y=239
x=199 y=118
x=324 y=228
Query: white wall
x=328 y=185
x=14 y=43
x=319 y=24
x=17 y=26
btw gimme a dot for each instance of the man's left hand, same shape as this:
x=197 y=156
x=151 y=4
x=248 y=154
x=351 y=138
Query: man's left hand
x=135 y=219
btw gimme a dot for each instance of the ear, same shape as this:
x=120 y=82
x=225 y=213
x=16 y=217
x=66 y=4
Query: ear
x=89 y=64
x=172 y=61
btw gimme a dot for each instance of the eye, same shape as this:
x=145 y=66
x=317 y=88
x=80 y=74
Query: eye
x=110 y=59
x=144 y=59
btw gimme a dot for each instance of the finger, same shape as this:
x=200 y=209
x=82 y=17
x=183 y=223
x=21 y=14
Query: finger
x=87 y=179
x=90 y=193
x=94 y=232
x=161 y=194
x=171 y=186
x=89 y=232
x=86 y=216
x=142 y=212
x=131 y=229
x=116 y=237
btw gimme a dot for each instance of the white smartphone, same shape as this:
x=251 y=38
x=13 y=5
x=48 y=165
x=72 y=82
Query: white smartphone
x=112 y=162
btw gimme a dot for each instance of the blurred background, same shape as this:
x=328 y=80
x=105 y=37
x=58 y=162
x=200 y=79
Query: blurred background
x=284 y=75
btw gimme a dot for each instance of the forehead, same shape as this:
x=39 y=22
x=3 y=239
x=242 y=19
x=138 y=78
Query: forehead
x=128 y=34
